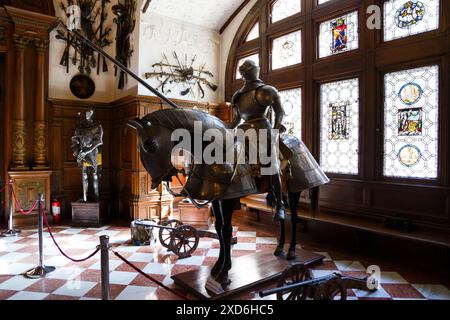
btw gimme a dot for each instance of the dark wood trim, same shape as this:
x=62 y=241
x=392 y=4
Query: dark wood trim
x=368 y=194
x=234 y=14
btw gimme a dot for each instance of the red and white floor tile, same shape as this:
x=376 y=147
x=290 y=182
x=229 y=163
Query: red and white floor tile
x=82 y=280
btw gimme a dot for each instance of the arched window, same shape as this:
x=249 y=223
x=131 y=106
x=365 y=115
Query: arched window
x=369 y=102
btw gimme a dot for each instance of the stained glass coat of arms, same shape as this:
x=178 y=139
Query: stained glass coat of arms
x=403 y=18
x=339 y=130
x=339 y=35
x=339 y=121
x=411 y=110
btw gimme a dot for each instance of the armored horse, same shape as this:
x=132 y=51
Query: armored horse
x=221 y=184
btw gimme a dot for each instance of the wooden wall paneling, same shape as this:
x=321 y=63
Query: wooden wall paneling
x=22 y=30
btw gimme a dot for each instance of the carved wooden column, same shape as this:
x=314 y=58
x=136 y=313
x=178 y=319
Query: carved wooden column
x=40 y=125
x=19 y=132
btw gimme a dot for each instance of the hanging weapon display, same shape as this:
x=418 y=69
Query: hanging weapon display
x=170 y=75
x=93 y=14
x=126 y=22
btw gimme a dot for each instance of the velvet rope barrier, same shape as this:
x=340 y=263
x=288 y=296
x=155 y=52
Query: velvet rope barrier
x=159 y=283
x=56 y=244
x=19 y=207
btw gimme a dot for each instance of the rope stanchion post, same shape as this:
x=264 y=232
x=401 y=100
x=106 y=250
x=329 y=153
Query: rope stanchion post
x=11 y=232
x=104 y=265
x=41 y=270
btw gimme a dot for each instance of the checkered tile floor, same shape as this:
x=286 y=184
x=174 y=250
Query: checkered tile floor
x=81 y=280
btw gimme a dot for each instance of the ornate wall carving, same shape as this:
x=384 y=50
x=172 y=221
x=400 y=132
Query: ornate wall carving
x=19 y=143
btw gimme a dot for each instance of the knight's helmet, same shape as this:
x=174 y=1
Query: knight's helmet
x=90 y=115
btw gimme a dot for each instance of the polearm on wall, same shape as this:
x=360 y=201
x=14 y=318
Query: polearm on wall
x=96 y=48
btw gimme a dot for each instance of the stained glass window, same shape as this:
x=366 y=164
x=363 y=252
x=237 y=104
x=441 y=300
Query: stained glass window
x=411 y=123
x=254 y=57
x=254 y=33
x=282 y=9
x=287 y=50
x=403 y=18
x=291 y=100
x=339 y=35
x=339 y=133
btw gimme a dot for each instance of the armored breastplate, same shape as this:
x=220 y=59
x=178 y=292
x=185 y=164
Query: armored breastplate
x=88 y=132
x=249 y=107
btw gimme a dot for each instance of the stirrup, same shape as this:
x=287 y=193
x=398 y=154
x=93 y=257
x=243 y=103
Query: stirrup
x=280 y=214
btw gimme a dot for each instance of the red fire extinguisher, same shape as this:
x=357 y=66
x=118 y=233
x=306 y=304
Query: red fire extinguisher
x=56 y=210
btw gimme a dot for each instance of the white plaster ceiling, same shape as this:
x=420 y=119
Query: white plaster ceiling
x=206 y=13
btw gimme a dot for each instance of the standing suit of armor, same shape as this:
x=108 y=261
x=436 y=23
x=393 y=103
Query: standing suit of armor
x=85 y=146
x=252 y=103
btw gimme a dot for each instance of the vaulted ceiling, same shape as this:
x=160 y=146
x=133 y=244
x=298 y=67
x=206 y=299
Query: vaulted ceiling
x=206 y=13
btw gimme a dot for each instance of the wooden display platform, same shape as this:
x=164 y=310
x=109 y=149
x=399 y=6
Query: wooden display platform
x=248 y=272
x=88 y=214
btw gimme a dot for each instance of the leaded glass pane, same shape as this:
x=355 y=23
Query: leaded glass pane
x=254 y=33
x=254 y=57
x=339 y=35
x=287 y=50
x=411 y=101
x=339 y=133
x=291 y=100
x=282 y=9
x=404 y=18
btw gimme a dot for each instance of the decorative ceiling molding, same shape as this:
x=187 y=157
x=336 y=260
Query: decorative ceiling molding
x=29 y=22
x=40 y=6
x=205 y=13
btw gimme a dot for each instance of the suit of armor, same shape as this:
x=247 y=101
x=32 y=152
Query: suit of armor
x=252 y=103
x=85 y=146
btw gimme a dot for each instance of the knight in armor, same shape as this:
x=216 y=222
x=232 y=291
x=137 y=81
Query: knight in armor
x=85 y=146
x=252 y=103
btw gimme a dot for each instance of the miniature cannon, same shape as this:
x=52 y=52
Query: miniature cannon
x=297 y=283
x=181 y=239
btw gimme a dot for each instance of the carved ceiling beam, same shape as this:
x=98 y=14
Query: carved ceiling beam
x=30 y=24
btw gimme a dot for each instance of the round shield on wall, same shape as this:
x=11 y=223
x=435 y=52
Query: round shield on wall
x=82 y=86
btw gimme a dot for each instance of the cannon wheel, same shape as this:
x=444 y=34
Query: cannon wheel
x=165 y=235
x=295 y=274
x=184 y=241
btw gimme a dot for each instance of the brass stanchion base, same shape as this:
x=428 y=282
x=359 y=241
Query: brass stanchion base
x=39 y=272
x=10 y=233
